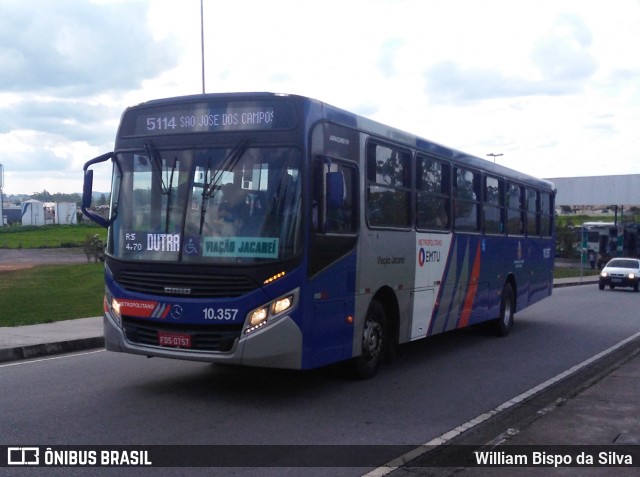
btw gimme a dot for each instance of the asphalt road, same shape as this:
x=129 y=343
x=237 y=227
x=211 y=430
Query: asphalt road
x=435 y=386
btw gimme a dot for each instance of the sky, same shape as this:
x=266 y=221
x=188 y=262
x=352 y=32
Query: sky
x=552 y=85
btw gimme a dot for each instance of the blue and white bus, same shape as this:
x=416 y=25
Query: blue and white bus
x=278 y=231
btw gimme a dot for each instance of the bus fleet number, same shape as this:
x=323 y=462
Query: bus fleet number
x=223 y=314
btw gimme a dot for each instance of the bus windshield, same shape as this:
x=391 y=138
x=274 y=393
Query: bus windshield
x=240 y=204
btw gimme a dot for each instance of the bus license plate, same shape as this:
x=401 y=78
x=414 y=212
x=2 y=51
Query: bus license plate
x=174 y=340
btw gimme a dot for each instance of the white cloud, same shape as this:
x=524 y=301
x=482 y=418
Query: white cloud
x=554 y=86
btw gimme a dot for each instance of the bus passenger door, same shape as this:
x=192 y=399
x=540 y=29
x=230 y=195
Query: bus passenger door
x=332 y=261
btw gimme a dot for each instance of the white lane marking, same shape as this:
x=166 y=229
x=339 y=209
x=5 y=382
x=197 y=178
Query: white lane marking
x=19 y=363
x=444 y=438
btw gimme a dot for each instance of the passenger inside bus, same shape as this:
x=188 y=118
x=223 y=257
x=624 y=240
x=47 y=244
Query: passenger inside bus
x=233 y=211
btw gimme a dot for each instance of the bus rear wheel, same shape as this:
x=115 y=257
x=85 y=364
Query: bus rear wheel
x=374 y=342
x=504 y=323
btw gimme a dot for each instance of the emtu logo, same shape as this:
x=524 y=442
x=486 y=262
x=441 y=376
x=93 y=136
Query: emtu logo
x=23 y=456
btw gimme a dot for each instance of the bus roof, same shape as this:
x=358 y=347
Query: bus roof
x=349 y=119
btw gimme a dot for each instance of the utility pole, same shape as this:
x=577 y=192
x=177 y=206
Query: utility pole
x=202 y=40
x=1 y=198
x=494 y=156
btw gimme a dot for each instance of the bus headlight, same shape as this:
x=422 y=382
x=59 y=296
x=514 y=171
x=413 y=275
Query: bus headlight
x=259 y=316
x=282 y=305
x=115 y=310
x=270 y=312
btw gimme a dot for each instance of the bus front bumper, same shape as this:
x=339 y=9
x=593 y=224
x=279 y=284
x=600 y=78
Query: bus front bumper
x=278 y=345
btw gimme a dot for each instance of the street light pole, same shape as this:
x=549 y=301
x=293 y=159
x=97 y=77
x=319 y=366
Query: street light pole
x=494 y=155
x=202 y=39
x=1 y=199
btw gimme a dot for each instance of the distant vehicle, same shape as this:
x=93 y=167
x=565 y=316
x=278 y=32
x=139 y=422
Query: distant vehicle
x=621 y=272
x=601 y=241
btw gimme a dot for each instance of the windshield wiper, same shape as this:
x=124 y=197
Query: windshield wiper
x=228 y=163
x=156 y=168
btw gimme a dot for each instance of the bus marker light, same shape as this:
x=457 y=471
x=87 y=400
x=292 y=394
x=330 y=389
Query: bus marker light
x=349 y=320
x=274 y=278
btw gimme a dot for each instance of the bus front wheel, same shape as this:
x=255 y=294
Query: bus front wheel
x=374 y=340
x=504 y=323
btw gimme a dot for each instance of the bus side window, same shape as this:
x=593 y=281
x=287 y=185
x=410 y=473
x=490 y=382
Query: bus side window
x=515 y=209
x=466 y=199
x=546 y=217
x=334 y=200
x=433 y=194
x=388 y=186
x=533 y=212
x=493 y=207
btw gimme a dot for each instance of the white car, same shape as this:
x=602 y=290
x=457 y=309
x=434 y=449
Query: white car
x=620 y=272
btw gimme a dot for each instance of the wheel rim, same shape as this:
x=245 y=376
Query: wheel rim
x=506 y=319
x=372 y=339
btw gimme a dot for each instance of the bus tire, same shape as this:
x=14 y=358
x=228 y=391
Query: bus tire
x=504 y=323
x=374 y=342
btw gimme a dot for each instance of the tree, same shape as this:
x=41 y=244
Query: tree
x=565 y=240
x=94 y=248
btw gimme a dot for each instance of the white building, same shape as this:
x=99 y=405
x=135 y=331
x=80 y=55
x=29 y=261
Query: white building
x=33 y=212
x=598 y=190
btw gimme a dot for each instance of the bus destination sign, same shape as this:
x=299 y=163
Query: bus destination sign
x=205 y=120
x=192 y=118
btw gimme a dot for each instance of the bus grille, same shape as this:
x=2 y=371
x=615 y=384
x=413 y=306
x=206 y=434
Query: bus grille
x=203 y=338
x=194 y=286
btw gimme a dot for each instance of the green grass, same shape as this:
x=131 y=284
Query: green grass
x=574 y=272
x=48 y=236
x=49 y=293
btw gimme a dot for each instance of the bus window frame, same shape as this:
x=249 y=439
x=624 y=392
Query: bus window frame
x=546 y=214
x=407 y=188
x=520 y=210
x=319 y=198
x=533 y=230
x=475 y=201
x=499 y=205
x=446 y=168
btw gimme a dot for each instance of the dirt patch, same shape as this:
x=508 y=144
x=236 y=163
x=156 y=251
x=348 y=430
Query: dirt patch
x=18 y=259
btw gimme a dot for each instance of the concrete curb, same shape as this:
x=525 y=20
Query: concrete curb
x=48 y=349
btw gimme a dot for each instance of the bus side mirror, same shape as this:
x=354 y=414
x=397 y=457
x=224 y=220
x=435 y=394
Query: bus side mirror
x=87 y=191
x=335 y=190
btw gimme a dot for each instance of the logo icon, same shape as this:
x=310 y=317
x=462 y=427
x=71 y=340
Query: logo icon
x=23 y=456
x=176 y=312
